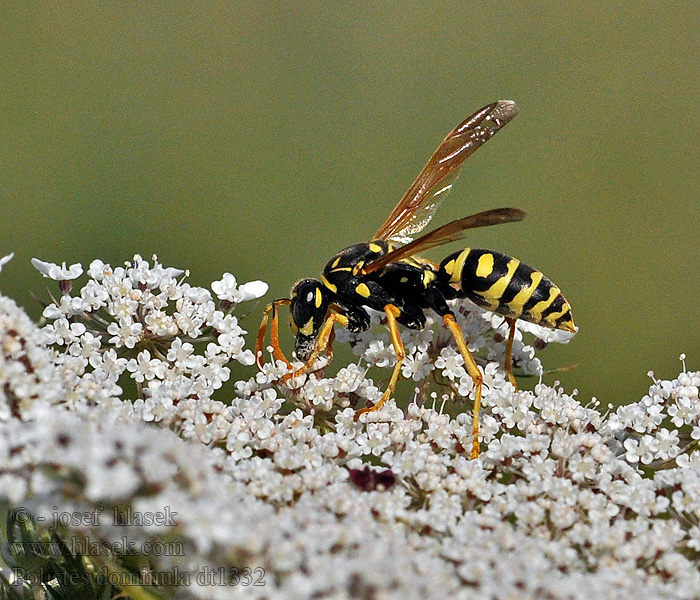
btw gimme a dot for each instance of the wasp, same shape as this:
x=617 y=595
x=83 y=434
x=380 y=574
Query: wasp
x=388 y=275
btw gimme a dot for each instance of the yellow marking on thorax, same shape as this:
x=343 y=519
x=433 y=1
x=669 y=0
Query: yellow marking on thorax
x=428 y=277
x=335 y=262
x=484 y=267
x=537 y=310
x=376 y=248
x=416 y=261
x=363 y=290
x=500 y=285
x=338 y=269
x=523 y=295
x=454 y=267
x=319 y=298
x=328 y=284
x=358 y=266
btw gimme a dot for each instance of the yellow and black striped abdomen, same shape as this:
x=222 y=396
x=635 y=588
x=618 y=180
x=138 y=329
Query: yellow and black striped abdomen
x=504 y=285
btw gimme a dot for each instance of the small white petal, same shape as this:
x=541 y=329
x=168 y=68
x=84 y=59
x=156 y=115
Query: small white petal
x=6 y=259
x=252 y=290
x=41 y=266
x=173 y=272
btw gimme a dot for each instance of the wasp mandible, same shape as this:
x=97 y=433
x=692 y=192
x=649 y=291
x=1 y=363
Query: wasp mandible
x=386 y=273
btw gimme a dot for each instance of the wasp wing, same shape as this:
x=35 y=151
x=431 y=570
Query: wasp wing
x=447 y=233
x=419 y=203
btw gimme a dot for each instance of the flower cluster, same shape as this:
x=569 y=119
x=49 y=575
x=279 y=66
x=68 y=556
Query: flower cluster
x=28 y=374
x=141 y=322
x=563 y=502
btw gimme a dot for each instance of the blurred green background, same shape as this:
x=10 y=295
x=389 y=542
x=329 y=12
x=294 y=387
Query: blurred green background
x=261 y=137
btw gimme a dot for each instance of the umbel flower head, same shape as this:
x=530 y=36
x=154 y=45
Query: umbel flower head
x=281 y=493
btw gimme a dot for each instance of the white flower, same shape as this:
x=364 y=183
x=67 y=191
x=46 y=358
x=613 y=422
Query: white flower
x=451 y=363
x=98 y=270
x=319 y=391
x=88 y=345
x=684 y=411
x=66 y=332
x=144 y=367
x=125 y=333
x=667 y=444
x=246 y=358
x=374 y=440
x=380 y=353
x=348 y=379
x=417 y=366
x=57 y=273
x=160 y=323
x=226 y=324
x=180 y=352
x=108 y=362
x=641 y=450
x=226 y=289
x=232 y=343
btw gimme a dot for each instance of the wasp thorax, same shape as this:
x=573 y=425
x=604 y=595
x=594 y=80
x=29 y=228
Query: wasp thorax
x=309 y=305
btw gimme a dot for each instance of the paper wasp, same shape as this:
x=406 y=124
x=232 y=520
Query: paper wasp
x=386 y=273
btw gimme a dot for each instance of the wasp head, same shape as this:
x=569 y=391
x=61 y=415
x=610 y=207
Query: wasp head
x=309 y=307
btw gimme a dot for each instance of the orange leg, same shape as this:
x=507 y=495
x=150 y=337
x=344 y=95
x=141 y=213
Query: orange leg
x=274 y=334
x=391 y=313
x=474 y=373
x=324 y=339
x=323 y=342
x=329 y=349
x=509 y=351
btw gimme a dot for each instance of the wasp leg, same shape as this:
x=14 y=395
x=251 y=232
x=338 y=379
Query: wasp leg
x=329 y=348
x=274 y=333
x=474 y=373
x=392 y=312
x=323 y=341
x=260 y=341
x=509 y=351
